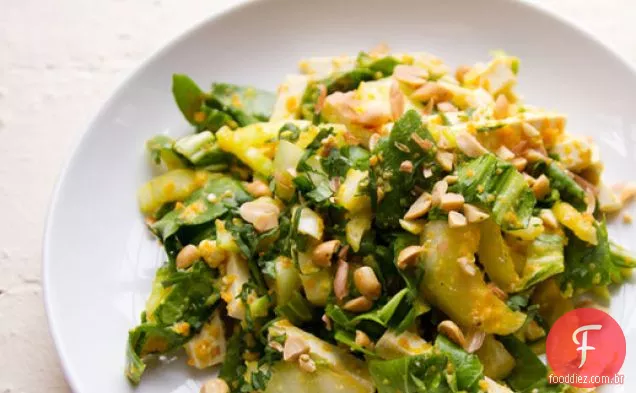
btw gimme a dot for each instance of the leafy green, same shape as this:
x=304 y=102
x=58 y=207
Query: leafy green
x=197 y=208
x=388 y=314
x=297 y=310
x=339 y=81
x=376 y=321
x=188 y=96
x=517 y=302
x=309 y=101
x=289 y=132
x=412 y=374
x=339 y=161
x=214 y=119
x=568 y=189
x=498 y=186
x=621 y=256
x=201 y=150
x=161 y=149
x=357 y=156
x=149 y=339
x=544 y=259
x=529 y=373
x=348 y=339
x=397 y=185
x=232 y=368
x=384 y=65
x=135 y=367
x=178 y=296
x=336 y=163
x=225 y=104
x=586 y=265
x=467 y=366
x=411 y=275
x=348 y=80
x=190 y=297
x=246 y=105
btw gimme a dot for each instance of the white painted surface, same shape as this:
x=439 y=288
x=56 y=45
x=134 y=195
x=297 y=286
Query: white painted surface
x=59 y=61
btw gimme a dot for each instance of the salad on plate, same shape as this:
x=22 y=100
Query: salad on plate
x=381 y=223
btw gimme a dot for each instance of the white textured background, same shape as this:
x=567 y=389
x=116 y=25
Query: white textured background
x=59 y=61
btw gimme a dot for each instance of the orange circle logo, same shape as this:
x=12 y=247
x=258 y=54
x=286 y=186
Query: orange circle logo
x=586 y=348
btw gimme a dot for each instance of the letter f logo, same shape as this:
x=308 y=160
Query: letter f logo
x=583 y=346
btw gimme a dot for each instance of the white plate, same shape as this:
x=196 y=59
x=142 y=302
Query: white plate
x=98 y=258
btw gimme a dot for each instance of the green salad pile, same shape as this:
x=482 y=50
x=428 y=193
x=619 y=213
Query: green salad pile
x=381 y=223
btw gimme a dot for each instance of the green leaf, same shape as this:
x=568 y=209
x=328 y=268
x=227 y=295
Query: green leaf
x=309 y=100
x=289 y=132
x=544 y=259
x=384 y=65
x=231 y=370
x=586 y=265
x=384 y=314
x=568 y=189
x=336 y=163
x=376 y=321
x=498 y=186
x=529 y=373
x=468 y=368
x=397 y=185
x=188 y=96
x=348 y=80
x=199 y=210
x=621 y=256
x=215 y=119
x=411 y=374
x=320 y=194
x=348 y=338
x=517 y=302
x=297 y=310
x=149 y=339
x=201 y=150
x=135 y=367
x=246 y=105
x=411 y=275
x=189 y=297
x=161 y=149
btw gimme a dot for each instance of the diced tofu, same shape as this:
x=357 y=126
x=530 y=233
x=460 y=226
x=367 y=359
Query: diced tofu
x=290 y=94
x=362 y=110
x=496 y=77
x=433 y=64
x=509 y=131
x=468 y=98
x=574 y=153
x=207 y=348
x=608 y=201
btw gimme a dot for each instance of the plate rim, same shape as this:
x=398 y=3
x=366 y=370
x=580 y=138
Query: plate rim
x=228 y=8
